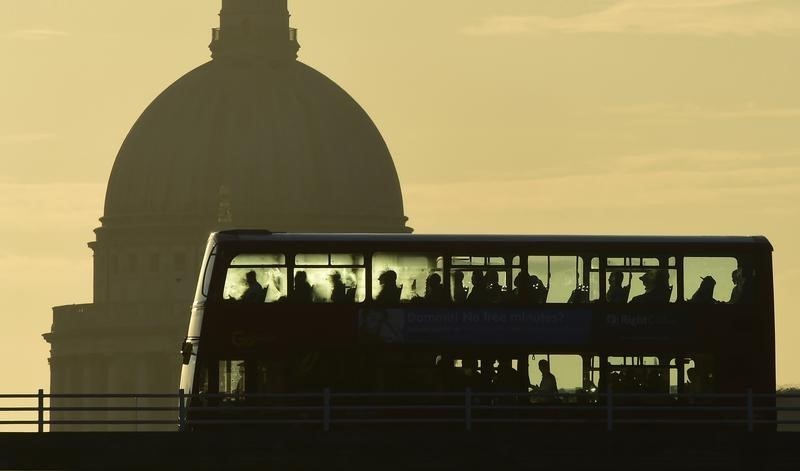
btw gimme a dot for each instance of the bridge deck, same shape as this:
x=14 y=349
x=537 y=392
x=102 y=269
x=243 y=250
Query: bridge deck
x=400 y=450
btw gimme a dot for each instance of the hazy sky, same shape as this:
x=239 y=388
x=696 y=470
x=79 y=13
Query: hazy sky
x=510 y=116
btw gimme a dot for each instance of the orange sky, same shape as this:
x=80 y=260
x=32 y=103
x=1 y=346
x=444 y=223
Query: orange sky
x=555 y=116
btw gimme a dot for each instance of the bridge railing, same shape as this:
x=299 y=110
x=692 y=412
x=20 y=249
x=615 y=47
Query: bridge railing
x=329 y=409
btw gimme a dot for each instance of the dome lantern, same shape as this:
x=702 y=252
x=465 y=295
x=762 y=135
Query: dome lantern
x=255 y=31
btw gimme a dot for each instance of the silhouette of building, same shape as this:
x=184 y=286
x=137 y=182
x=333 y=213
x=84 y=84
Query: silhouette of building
x=252 y=139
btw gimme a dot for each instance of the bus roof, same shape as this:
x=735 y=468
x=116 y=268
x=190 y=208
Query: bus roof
x=267 y=236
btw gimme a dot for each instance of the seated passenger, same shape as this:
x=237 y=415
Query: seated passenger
x=547 y=391
x=255 y=293
x=459 y=290
x=656 y=381
x=434 y=290
x=524 y=373
x=705 y=292
x=494 y=290
x=538 y=290
x=507 y=380
x=618 y=294
x=302 y=293
x=479 y=294
x=742 y=291
x=339 y=291
x=579 y=295
x=735 y=292
x=390 y=292
x=656 y=288
x=521 y=294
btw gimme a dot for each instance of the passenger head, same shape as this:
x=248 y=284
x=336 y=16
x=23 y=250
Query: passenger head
x=388 y=278
x=336 y=278
x=705 y=292
x=434 y=280
x=708 y=283
x=615 y=278
x=251 y=277
x=300 y=278
x=458 y=277
x=655 y=278
x=522 y=280
x=544 y=366
x=536 y=282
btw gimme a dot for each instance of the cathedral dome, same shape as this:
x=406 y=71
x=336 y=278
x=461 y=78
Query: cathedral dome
x=258 y=143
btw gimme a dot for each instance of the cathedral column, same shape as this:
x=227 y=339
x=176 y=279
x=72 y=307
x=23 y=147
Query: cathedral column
x=58 y=385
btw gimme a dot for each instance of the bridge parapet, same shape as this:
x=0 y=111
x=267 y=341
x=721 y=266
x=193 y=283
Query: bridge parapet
x=468 y=410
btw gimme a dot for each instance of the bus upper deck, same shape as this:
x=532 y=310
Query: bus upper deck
x=508 y=269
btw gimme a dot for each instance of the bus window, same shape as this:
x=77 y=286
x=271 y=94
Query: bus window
x=408 y=277
x=644 y=280
x=329 y=278
x=711 y=280
x=477 y=261
x=568 y=370
x=638 y=374
x=256 y=278
x=551 y=374
x=560 y=279
x=479 y=279
x=540 y=270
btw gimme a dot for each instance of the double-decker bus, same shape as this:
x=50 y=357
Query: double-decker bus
x=279 y=313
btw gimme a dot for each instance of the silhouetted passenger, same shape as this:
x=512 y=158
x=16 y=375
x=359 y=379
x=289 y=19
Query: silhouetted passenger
x=487 y=371
x=302 y=293
x=538 y=290
x=494 y=290
x=656 y=288
x=479 y=294
x=579 y=295
x=606 y=379
x=340 y=293
x=618 y=294
x=547 y=391
x=434 y=290
x=614 y=381
x=735 y=292
x=705 y=292
x=655 y=381
x=459 y=290
x=507 y=380
x=521 y=294
x=628 y=380
x=255 y=293
x=390 y=292
x=524 y=374
x=742 y=291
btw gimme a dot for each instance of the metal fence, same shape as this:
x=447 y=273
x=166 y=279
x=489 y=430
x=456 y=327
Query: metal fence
x=327 y=410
